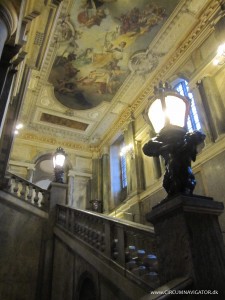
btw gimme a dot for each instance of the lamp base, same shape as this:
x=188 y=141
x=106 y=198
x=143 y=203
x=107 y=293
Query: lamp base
x=59 y=175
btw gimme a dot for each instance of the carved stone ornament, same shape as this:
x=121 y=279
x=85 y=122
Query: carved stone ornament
x=144 y=62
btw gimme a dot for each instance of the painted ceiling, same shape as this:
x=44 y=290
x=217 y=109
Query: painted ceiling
x=99 y=43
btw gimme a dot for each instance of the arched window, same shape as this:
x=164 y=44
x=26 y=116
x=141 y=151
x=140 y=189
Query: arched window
x=193 y=122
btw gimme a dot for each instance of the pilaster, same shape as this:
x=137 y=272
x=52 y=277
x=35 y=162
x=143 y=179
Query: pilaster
x=106 y=179
x=213 y=106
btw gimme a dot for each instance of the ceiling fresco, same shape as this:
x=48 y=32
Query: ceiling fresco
x=98 y=45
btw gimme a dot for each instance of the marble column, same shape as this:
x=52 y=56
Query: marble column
x=77 y=189
x=213 y=105
x=205 y=125
x=96 y=182
x=70 y=193
x=106 y=192
x=132 y=185
x=139 y=167
x=7 y=132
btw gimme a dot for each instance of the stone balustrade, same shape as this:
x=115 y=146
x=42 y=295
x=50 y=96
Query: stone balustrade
x=27 y=191
x=129 y=247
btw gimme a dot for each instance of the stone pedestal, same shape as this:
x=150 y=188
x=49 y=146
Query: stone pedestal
x=57 y=196
x=189 y=241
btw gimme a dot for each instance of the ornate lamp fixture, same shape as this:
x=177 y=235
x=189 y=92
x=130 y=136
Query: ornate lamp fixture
x=168 y=112
x=58 y=164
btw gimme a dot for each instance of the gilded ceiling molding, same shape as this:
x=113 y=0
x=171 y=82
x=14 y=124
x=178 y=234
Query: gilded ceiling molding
x=204 y=20
x=28 y=136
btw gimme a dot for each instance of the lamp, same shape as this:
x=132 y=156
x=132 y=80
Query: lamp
x=58 y=164
x=167 y=112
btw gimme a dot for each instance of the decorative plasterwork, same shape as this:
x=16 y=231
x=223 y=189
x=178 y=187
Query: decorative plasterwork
x=34 y=138
x=144 y=62
x=203 y=21
x=138 y=86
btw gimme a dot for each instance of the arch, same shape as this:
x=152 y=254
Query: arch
x=44 y=171
x=86 y=287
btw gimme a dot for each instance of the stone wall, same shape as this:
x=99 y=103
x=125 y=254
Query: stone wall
x=79 y=274
x=20 y=252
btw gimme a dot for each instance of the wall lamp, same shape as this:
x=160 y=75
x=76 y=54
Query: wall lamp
x=58 y=164
x=127 y=150
x=220 y=56
x=167 y=112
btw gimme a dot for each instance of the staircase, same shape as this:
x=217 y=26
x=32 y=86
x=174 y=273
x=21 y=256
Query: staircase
x=61 y=253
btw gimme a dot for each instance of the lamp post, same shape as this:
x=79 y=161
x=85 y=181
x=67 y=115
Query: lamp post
x=167 y=112
x=58 y=164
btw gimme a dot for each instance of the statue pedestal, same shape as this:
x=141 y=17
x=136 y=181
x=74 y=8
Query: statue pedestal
x=189 y=241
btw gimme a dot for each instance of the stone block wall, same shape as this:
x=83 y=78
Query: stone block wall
x=20 y=253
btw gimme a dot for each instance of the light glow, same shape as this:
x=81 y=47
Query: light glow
x=156 y=115
x=58 y=160
x=19 y=126
x=220 y=56
x=127 y=149
x=175 y=110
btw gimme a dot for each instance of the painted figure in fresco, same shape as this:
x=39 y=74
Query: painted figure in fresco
x=81 y=73
x=137 y=21
x=91 y=15
x=85 y=58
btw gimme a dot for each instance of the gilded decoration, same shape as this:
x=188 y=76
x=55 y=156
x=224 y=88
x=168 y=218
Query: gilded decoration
x=99 y=43
x=63 y=122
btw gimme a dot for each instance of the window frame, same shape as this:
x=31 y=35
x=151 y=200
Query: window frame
x=193 y=121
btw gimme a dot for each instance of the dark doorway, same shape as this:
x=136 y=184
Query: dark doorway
x=87 y=290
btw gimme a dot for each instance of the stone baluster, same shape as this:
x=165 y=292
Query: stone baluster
x=121 y=246
x=30 y=193
x=23 y=190
x=16 y=186
x=36 y=196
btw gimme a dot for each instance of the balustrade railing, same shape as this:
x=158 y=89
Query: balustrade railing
x=129 y=246
x=27 y=191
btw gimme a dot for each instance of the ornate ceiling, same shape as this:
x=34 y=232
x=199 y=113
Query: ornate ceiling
x=94 y=63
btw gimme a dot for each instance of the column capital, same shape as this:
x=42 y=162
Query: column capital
x=105 y=150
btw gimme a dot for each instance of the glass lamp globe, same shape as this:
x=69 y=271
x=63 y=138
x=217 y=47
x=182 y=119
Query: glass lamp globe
x=59 y=158
x=168 y=108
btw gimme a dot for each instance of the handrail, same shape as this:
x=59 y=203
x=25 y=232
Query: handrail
x=126 y=244
x=27 y=191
